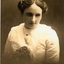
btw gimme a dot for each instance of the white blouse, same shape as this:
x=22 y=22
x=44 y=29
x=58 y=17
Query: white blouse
x=42 y=41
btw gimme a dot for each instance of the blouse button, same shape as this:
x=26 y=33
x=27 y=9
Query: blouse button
x=26 y=34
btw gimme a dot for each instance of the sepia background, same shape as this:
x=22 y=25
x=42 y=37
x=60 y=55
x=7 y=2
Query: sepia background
x=11 y=16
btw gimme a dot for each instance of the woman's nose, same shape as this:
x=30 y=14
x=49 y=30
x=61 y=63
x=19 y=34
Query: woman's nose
x=33 y=19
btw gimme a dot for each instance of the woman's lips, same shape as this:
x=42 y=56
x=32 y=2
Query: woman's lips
x=32 y=23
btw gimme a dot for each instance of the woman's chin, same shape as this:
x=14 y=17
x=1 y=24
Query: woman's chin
x=31 y=26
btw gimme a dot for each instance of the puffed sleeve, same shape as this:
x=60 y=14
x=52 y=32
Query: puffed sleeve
x=52 y=48
x=8 y=51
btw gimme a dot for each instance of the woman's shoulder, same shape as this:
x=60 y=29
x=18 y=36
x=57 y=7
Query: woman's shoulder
x=47 y=30
x=17 y=27
x=15 y=31
x=49 y=34
x=44 y=28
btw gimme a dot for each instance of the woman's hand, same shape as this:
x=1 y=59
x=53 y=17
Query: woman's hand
x=22 y=56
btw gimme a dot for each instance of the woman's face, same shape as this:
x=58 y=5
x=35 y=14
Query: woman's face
x=32 y=16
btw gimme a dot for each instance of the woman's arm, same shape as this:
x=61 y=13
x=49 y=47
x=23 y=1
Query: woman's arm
x=8 y=51
x=52 y=48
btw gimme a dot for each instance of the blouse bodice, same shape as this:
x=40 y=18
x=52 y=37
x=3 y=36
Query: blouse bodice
x=42 y=42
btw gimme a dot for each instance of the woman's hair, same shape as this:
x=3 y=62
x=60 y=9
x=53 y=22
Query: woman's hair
x=23 y=4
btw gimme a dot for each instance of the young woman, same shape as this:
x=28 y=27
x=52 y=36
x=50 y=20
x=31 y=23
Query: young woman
x=32 y=42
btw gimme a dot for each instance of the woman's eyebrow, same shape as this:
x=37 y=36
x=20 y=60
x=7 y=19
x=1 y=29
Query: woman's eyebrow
x=37 y=14
x=29 y=13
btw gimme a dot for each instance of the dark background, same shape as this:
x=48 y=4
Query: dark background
x=11 y=16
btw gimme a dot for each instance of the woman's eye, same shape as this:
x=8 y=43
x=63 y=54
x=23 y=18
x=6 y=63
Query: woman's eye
x=29 y=14
x=37 y=15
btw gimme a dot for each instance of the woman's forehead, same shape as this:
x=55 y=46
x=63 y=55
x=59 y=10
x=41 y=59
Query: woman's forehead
x=33 y=9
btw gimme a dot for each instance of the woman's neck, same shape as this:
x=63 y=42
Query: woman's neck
x=30 y=28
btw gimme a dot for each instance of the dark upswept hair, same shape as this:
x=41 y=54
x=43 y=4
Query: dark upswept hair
x=23 y=4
